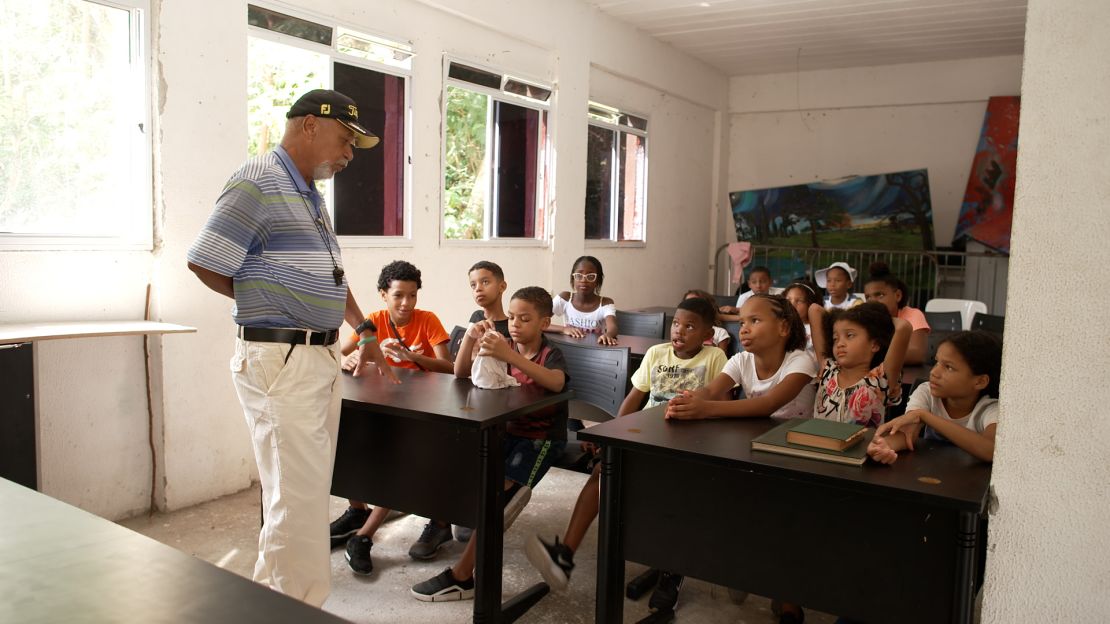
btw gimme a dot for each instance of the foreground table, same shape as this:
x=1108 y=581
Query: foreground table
x=873 y=543
x=432 y=446
x=61 y=564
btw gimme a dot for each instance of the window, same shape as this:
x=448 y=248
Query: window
x=616 y=175
x=495 y=155
x=287 y=56
x=74 y=120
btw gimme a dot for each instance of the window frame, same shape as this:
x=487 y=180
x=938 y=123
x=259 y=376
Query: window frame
x=614 y=191
x=543 y=179
x=141 y=195
x=354 y=241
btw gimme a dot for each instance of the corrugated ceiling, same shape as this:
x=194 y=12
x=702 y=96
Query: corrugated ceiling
x=765 y=36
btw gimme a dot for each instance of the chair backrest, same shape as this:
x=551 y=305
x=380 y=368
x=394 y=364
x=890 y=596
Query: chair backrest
x=945 y=321
x=456 y=340
x=936 y=336
x=989 y=322
x=646 y=324
x=598 y=375
x=966 y=307
x=725 y=300
x=733 y=329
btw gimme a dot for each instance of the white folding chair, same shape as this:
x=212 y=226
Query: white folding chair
x=966 y=307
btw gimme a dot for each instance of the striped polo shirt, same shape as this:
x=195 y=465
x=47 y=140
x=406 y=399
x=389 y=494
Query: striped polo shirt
x=264 y=234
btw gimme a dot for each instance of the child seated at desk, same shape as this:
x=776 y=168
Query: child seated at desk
x=487 y=284
x=837 y=280
x=585 y=311
x=720 y=337
x=884 y=287
x=774 y=371
x=409 y=338
x=533 y=442
x=759 y=283
x=685 y=363
x=959 y=404
x=866 y=374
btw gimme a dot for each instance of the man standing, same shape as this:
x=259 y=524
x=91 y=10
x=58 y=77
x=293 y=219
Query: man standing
x=269 y=245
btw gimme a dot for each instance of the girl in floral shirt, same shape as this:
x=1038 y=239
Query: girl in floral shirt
x=864 y=374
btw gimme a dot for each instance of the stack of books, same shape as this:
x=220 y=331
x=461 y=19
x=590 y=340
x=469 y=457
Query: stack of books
x=817 y=438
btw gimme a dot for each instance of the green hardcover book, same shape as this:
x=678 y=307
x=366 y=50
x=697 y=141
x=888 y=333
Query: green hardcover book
x=826 y=434
x=774 y=441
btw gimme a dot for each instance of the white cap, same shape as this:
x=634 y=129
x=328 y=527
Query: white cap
x=819 y=275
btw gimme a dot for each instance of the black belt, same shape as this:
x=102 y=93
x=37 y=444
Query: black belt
x=289 y=336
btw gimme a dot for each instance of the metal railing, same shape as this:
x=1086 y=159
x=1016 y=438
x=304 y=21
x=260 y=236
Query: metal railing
x=928 y=274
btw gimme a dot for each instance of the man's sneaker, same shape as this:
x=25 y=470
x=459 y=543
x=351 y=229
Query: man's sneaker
x=553 y=561
x=443 y=587
x=463 y=534
x=519 y=495
x=343 y=527
x=358 y=554
x=431 y=538
x=665 y=596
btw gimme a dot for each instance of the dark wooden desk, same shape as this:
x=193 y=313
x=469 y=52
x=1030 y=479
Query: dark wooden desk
x=61 y=564
x=871 y=543
x=395 y=440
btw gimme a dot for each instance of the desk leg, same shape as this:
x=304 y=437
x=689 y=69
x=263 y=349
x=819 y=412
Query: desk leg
x=487 y=594
x=610 y=547
x=967 y=540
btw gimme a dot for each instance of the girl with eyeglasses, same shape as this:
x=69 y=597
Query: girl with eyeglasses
x=583 y=308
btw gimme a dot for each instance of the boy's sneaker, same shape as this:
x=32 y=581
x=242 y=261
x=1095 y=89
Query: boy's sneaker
x=553 y=561
x=358 y=554
x=665 y=596
x=518 y=497
x=431 y=538
x=463 y=534
x=343 y=527
x=443 y=587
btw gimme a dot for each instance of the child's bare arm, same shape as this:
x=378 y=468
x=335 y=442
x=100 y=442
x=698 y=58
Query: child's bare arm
x=632 y=403
x=690 y=407
x=896 y=353
x=717 y=390
x=918 y=347
x=468 y=347
x=493 y=344
x=817 y=320
x=980 y=445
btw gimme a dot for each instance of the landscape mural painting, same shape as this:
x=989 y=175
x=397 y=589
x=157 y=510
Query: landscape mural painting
x=888 y=211
x=885 y=211
x=988 y=208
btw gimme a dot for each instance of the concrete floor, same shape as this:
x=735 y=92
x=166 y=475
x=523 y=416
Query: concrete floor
x=225 y=532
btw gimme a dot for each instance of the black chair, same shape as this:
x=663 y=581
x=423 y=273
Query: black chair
x=988 y=322
x=599 y=378
x=733 y=329
x=725 y=300
x=936 y=336
x=456 y=341
x=944 y=321
x=646 y=324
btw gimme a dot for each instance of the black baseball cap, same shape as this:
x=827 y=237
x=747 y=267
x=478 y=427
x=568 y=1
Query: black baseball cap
x=334 y=105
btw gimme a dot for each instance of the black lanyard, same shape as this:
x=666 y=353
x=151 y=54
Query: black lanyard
x=321 y=225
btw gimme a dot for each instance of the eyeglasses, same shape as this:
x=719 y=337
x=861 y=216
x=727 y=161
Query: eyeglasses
x=584 y=277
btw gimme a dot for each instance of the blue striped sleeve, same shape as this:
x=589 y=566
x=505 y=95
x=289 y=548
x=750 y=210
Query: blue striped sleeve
x=239 y=225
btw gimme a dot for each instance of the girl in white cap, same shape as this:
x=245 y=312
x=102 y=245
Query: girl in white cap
x=837 y=280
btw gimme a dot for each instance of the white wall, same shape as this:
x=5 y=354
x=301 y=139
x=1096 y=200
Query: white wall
x=795 y=128
x=1049 y=536
x=199 y=126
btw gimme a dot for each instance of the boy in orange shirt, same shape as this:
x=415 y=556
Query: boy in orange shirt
x=409 y=338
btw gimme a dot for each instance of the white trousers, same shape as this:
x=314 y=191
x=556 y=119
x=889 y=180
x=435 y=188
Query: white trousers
x=292 y=411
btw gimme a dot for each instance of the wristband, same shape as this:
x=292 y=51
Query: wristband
x=363 y=341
